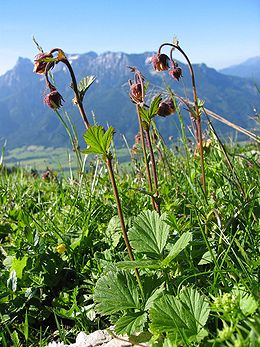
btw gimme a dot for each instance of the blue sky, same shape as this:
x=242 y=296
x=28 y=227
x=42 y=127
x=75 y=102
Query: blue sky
x=217 y=32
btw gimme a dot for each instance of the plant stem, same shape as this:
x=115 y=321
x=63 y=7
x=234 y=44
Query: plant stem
x=197 y=113
x=155 y=178
x=78 y=101
x=121 y=217
x=145 y=159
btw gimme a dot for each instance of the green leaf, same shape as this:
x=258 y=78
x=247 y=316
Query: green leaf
x=18 y=265
x=149 y=234
x=108 y=137
x=168 y=314
x=84 y=85
x=147 y=115
x=98 y=140
x=132 y=322
x=182 y=316
x=207 y=257
x=116 y=291
x=197 y=305
x=247 y=303
x=153 y=109
x=179 y=246
x=144 y=114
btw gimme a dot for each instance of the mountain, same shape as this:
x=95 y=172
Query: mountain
x=25 y=120
x=249 y=69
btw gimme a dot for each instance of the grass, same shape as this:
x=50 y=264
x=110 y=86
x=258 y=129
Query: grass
x=59 y=237
x=59 y=159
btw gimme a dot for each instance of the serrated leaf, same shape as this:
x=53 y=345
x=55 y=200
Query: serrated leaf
x=108 y=137
x=179 y=246
x=149 y=234
x=84 y=85
x=144 y=114
x=116 y=291
x=153 y=109
x=167 y=315
x=98 y=140
x=131 y=323
x=141 y=264
x=197 y=305
x=180 y=316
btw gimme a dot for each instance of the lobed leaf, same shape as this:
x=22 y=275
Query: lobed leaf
x=114 y=292
x=98 y=140
x=132 y=322
x=149 y=234
x=182 y=316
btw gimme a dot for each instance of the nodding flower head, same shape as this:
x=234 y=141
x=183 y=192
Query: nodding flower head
x=175 y=72
x=137 y=138
x=53 y=99
x=136 y=93
x=160 y=62
x=40 y=62
x=166 y=108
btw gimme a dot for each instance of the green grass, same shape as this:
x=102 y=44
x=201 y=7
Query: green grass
x=60 y=159
x=59 y=237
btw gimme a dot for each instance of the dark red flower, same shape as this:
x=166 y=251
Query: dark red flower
x=53 y=99
x=160 y=62
x=166 y=108
x=40 y=63
x=176 y=73
x=136 y=92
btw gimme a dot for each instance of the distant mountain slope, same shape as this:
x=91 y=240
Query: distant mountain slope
x=249 y=69
x=25 y=120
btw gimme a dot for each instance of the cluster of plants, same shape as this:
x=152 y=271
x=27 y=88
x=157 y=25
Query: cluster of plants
x=166 y=250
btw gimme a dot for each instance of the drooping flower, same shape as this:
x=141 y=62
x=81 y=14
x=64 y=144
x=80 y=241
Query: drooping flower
x=160 y=62
x=40 y=62
x=53 y=99
x=166 y=108
x=176 y=72
x=138 y=138
x=136 y=92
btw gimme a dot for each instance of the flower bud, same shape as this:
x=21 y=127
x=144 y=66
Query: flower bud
x=176 y=73
x=166 y=108
x=160 y=62
x=40 y=63
x=53 y=99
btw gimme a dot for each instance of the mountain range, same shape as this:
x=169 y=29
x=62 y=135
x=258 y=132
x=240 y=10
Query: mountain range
x=25 y=120
x=250 y=68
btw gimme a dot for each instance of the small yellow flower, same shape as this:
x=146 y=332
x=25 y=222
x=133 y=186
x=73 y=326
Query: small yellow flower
x=61 y=248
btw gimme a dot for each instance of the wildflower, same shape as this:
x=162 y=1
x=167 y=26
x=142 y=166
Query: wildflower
x=136 y=92
x=166 y=108
x=40 y=62
x=53 y=99
x=160 y=62
x=61 y=248
x=176 y=72
x=138 y=138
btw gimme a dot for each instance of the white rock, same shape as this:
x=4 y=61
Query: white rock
x=97 y=338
